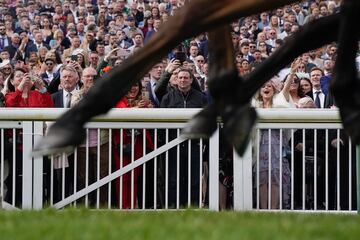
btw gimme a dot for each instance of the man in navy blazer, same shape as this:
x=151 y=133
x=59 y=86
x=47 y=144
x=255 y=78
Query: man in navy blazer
x=155 y=74
x=62 y=99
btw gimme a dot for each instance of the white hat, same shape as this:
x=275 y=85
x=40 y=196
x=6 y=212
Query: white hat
x=4 y=63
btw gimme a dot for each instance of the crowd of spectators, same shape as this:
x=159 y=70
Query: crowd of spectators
x=52 y=51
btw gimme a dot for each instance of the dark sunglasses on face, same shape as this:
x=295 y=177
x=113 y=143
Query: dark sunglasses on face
x=49 y=64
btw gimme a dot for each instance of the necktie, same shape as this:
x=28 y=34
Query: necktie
x=153 y=93
x=317 y=99
x=2 y=43
x=68 y=100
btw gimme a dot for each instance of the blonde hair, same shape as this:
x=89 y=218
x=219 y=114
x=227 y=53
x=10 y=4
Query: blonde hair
x=276 y=85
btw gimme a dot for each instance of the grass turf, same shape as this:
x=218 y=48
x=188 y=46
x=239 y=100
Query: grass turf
x=190 y=224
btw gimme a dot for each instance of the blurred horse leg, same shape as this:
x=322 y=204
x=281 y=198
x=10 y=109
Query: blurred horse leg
x=189 y=21
x=346 y=82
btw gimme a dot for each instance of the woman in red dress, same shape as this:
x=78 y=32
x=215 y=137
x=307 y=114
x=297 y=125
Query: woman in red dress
x=133 y=99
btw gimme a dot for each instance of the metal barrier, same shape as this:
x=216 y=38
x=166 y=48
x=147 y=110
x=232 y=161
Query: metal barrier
x=137 y=159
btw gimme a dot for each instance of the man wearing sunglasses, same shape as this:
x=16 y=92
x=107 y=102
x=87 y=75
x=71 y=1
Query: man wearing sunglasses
x=50 y=71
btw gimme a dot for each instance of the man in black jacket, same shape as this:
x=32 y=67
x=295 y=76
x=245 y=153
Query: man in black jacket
x=184 y=96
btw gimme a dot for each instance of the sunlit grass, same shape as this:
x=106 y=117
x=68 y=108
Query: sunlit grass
x=190 y=224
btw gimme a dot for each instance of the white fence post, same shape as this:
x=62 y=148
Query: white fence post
x=27 y=165
x=38 y=169
x=214 y=171
x=243 y=179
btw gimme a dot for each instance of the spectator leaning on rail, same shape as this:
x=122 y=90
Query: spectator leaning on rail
x=184 y=96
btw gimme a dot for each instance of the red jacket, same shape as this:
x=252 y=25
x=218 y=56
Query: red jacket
x=35 y=99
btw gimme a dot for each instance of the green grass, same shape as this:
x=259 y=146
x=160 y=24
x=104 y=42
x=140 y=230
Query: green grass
x=189 y=225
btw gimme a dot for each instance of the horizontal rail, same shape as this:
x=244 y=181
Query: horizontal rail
x=174 y=115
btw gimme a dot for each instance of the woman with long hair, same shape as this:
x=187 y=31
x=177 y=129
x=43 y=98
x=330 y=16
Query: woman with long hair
x=275 y=23
x=81 y=59
x=70 y=19
x=148 y=25
x=155 y=13
x=46 y=28
x=306 y=86
x=133 y=99
x=101 y=20
x=57 y=39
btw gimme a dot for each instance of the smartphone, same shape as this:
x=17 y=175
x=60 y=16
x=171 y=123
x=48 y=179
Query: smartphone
x=74 y=57
x=181 y=56
x=145 y=94
x=123 y=52
x=33 y=78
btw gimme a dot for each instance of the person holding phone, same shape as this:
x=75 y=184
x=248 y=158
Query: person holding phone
x=25 y=91
x=135 y=98
x=184 y=96
x=23 y=94
x=168 y=79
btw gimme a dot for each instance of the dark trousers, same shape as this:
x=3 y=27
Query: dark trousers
x=92 y=171
x=68 y=181
x=183 y=174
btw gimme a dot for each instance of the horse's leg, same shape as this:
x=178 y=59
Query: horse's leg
x=230 y=95
x=196 y=17
x=311 y=36
x=346 y=83
x=223 y=78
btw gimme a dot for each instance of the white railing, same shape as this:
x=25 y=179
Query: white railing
x=37 y=192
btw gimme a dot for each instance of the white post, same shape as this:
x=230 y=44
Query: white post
x=243 y=180
x=27 y=165
x=214 y=172
x=38 y=169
